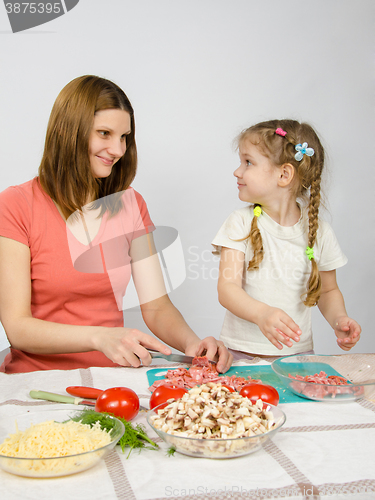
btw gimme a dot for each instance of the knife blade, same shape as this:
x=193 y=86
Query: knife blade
x=179 y=358
x=59 y=398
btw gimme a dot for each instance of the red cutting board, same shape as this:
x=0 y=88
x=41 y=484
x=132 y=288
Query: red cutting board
x=262 y=372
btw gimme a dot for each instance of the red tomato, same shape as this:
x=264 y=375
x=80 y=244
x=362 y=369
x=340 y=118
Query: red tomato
x=120 y=401
x=164 y=392
x=266 y=393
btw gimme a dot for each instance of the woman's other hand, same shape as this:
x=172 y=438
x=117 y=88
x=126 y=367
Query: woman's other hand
x=215 y=350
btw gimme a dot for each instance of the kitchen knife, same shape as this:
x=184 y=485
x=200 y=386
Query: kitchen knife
x=179 y=358
x=59 y=398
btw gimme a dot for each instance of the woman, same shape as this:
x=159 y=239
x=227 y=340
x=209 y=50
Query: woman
x=71 y=237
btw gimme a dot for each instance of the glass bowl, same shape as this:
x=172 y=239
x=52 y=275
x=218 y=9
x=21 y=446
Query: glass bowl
x=219 y=448
x=53 y=466
x=357 y=369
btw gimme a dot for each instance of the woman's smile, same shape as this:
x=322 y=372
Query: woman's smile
x=106 y=161
x=107 y=142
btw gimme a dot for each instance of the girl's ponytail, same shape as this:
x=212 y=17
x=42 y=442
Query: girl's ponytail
x=256 y=241
x=314 y=284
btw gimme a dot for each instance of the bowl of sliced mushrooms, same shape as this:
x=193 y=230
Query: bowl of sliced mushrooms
x=210 y=421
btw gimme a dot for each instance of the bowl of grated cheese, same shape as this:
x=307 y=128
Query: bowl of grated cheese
x=53 y=443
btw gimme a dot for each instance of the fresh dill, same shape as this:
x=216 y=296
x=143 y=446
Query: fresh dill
x=171 y=451
x=90 y=417
x=135 y=436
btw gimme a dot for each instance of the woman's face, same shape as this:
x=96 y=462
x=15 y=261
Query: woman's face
x=107 y=143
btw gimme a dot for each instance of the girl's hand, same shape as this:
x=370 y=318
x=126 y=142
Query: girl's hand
x=213 y=349
x=347 y=332
x=278 y=327
x=127 y=346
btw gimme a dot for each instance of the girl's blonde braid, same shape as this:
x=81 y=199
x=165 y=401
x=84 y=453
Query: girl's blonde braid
x=256 y=243
x=314 y=284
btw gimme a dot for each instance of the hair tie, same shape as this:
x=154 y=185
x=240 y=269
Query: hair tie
x=280 y=131
x=303 y=149
x=257 y=211
x=309 y=252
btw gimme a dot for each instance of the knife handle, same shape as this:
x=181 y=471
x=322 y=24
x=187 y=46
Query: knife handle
x=84 y=392
x=58 y=398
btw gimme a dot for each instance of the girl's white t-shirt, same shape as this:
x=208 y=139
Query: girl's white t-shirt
x=281 y=278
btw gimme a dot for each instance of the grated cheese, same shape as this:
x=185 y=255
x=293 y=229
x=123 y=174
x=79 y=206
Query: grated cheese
x=49 y=440
x=54 y=439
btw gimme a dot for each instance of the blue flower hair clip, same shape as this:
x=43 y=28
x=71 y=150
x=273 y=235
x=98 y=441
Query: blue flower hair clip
x=303 y=149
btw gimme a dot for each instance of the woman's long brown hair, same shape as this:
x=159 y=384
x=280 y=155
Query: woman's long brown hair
x=64 y=172
x=281 y=150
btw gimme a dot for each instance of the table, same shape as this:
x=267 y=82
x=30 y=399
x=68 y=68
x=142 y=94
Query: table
x=324 y=451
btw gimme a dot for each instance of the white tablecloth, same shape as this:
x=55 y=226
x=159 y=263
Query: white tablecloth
x=324 y=451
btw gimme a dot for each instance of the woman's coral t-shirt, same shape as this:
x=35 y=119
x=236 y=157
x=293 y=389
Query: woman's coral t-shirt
x=71 y=283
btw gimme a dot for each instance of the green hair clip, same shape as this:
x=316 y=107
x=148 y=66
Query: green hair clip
x=257 y=211
x=309 y=252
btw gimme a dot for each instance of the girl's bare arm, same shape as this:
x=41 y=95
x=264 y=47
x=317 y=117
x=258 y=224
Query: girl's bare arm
x=275 y=324
x=331 y=305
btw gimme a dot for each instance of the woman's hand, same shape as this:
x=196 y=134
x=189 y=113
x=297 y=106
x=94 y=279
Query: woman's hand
x=277 y=326
x=128 y=346
x=214 y=350
x=347 y=331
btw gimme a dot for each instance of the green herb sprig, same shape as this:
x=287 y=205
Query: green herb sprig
x=134 y=436
x=171 y=451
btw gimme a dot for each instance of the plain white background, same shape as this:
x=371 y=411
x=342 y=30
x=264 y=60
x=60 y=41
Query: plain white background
x=197 y=72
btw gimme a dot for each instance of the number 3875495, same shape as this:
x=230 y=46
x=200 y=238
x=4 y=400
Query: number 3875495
x=33 y=8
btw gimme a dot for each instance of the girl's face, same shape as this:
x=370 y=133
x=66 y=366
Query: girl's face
x=107 y=143
x=256 y=175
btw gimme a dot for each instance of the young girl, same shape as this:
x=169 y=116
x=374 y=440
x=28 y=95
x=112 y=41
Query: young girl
x=278 y=259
